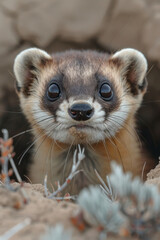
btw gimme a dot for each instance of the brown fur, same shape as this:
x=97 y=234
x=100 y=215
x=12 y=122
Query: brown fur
x=124 y=148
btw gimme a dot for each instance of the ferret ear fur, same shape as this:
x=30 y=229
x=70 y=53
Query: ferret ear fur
x=133 y=67
x=27 y=67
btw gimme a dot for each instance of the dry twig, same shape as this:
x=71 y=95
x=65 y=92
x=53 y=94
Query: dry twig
x=74 y=171
x=7 y=154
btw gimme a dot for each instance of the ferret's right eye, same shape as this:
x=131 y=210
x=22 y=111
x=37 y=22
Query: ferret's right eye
x=53 y=92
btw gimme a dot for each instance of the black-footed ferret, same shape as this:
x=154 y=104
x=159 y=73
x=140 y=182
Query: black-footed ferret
x=86 y=98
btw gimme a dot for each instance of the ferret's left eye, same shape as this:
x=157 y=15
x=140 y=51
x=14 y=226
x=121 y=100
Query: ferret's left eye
x=106 y=92
x=53 y=92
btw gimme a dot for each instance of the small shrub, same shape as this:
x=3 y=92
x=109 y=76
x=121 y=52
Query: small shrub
x=124 y=205
x=56 y=233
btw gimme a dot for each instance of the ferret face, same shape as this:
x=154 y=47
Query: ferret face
x=80 y=96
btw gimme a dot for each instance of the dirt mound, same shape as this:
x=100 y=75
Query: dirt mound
x=40 y=212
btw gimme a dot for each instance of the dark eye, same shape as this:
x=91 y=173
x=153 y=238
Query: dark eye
x=53 y=92
x=106 y=92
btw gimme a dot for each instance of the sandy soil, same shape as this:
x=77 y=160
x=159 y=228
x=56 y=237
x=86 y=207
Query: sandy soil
x=43 y=212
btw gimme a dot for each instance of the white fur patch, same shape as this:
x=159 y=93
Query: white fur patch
x=128 y=55
x=33 y=55
x=44 y=119
x=117 y=118
x=98 y=128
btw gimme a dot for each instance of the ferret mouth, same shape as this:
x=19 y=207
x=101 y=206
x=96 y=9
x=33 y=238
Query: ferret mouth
x=81 y=126
x=79 y=132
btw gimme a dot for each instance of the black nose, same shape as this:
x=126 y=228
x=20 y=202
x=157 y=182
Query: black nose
x=81 y=111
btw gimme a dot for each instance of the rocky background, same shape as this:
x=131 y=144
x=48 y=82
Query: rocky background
x=56 y=25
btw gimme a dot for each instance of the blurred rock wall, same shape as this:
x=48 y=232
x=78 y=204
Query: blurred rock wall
x=56 y=25
x=113 y=24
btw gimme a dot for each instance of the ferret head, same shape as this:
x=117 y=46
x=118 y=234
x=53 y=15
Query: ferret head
x=80 y=96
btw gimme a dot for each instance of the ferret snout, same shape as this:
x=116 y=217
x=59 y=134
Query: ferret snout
x=81 y=111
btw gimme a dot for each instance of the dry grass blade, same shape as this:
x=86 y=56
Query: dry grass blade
x=10 y=233
x=107 y=189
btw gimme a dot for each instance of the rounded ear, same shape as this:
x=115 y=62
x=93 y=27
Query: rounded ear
x=132 y=65
x=27 y=67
